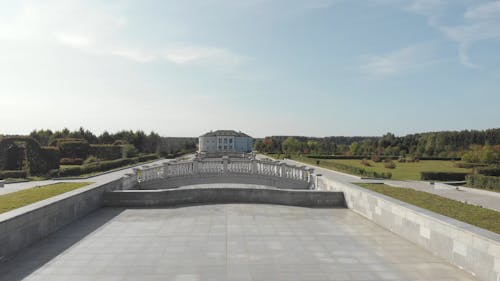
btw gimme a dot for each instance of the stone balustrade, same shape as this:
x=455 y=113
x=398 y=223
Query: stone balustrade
x=225 y=169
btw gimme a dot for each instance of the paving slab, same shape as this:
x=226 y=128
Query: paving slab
x=226 y=242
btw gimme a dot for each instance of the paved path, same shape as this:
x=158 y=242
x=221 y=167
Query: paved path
x=226 y=242
x=12 y=187
x=486 y=199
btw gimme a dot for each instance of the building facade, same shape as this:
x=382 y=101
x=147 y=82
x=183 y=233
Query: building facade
x=225 y=141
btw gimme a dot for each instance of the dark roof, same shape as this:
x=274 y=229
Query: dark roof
x=231 y=133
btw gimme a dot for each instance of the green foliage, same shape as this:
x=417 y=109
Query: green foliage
x=16 y=174
x=389 y=164
x=36 y=161
x=102 y=166
x=443 y=176
x=51 y=156
x=71 y=161
x=106 y=151
x=129 y=151
x=73 y=148
x=291 y=146
x=25 y=197
x=90 y=159
x=471 y=214
x=489 y=171
x=484 y=182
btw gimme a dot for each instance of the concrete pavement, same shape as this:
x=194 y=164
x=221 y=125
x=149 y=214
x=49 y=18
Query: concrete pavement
x=227 y=242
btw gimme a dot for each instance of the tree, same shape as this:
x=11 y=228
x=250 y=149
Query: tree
x=291 y=146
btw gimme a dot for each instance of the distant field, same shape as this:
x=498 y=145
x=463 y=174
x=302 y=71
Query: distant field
x=471 y=214
x=25 y=197
x=403 y=171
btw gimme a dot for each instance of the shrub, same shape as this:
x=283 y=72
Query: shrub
x=129 y=151
x=13 y=174
x=74 y=149
x=402 y=160
x=90 y=159
x=443 y=176
x=490 y=171
x=376 y=159
x=52 y=156
x=467 y=165
x=365 y=162
x=483 y=182
x=36 y=161
x=71 y=161
x=360 y=171
x=390 y=164
x=106 y=151
x=103 y=165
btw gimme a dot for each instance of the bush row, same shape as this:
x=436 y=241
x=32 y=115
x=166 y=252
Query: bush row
x=360 y=171
x=106 y=151
x=443 y=176
x=381 y=157
x=103 y=165
x=71 y=161
x=491 y=171
x=13 y=174
x=483 y=182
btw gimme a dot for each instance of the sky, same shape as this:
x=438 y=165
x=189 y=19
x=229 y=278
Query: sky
x=265 y=67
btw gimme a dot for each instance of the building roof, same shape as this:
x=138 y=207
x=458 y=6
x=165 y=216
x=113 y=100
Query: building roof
x=230 y=133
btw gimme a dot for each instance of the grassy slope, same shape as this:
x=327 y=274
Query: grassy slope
x=25 y=197
x=403 y=171
x=471 y=214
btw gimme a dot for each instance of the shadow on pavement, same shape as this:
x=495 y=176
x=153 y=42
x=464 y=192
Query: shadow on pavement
x=28 y=260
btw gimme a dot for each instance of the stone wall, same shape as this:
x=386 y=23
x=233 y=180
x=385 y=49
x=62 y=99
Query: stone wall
x=473 y=249
x=175 y=182
x=219 y=195
x=24 y=226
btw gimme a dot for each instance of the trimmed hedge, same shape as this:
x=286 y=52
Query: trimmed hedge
x=382 y=157
x=360 y=171
x=492 y=172
x=443 y=176
x=483 y=182
x=74 y=149
x=71 y=161
x=103 y=166
x=37 y=161
x=13 y=174
x=52 y=156
x=106 y=151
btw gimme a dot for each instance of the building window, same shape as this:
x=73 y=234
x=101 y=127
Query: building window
x=225 y=147
x=230 y=140
x=220 y=147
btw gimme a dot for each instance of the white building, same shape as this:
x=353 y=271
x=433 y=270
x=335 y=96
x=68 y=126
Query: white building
x=225 y=142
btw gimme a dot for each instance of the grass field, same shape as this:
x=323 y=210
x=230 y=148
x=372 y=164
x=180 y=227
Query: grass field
x=475 y=215
x=25 y=197
x=403 y=171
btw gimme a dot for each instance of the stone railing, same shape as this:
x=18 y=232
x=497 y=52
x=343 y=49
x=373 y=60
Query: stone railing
x=221 y=170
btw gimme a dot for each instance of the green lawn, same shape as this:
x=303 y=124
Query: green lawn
x=25 y=197
x=403 y=171
x=471 y=214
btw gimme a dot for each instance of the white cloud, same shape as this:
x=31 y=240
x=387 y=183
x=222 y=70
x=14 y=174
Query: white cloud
x=99 y=30
x=397 y=62
x=480 y=22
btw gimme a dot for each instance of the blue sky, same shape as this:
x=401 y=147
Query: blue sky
x=284 y=67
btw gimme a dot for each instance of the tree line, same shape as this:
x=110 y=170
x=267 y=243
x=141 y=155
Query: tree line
x=144 y=143
x=430 y=144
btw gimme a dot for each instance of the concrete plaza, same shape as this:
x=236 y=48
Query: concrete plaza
x=226 y=242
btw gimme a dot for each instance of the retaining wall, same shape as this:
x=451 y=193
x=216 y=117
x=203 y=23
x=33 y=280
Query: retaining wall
x=471 y=248
x=24 y=226
x=174 y=182
x=218 y=195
